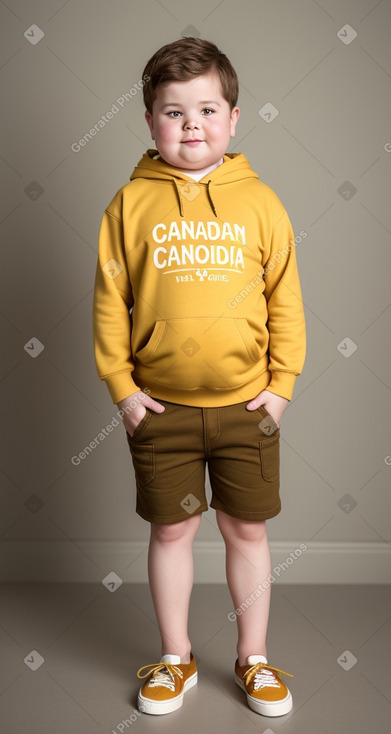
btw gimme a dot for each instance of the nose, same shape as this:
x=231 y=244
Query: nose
x=191 y=125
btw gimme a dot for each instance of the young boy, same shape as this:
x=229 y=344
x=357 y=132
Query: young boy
x=199 y=334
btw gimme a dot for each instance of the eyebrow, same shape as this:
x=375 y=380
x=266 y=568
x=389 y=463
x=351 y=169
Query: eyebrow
x=178 y=104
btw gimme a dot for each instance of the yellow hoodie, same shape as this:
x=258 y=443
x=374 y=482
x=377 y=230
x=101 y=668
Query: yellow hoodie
x=197 y=295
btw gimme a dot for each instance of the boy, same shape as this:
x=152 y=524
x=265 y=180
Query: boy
x=199 y=334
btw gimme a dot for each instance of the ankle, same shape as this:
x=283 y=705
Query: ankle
x=242 y=656
x=184 y=653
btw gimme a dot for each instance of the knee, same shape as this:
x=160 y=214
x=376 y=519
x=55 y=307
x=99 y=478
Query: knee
x=246 y=531
x=183 y=531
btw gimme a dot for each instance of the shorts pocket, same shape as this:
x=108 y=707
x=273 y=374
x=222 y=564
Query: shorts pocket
x=269 y=449
x=268 y=425
x=140 y=427
x=143 y=457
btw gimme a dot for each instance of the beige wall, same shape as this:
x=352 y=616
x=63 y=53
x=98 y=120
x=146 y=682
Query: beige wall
x=333 y=126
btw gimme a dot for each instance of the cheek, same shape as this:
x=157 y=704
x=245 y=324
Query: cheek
x=166 y=132
x=218 y=130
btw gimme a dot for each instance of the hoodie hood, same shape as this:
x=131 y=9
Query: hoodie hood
x=235 y=167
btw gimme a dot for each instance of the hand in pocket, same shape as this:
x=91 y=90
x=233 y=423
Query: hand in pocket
x=134 y=408
x=275 y=405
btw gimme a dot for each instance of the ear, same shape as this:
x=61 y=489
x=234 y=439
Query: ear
x=234 y=118
x=149 y=120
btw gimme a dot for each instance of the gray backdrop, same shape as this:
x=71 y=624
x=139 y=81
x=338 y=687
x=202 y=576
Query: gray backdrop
x=315 y=125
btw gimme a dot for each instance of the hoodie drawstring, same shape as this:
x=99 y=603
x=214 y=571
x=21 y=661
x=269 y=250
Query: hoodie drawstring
x=178 y=190
x=210 y=198
x=179 y=197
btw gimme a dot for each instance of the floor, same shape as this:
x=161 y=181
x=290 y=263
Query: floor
x=335 y=639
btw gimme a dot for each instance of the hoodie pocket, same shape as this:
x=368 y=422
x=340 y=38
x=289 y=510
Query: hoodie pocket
x=208 y=352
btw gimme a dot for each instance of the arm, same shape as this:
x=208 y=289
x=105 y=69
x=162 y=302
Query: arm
x=111 y=320
x=112 y=301
x=286 y=321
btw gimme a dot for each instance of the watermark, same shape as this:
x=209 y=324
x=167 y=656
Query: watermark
x=387 y=460
x=34 y=347
x=347 y=503
x=347 y=190
x=347 y=347
x=133 y=717
x=258 y=591
x=112 y=581
x=387 y=147
x=271 y=264
x=190 y=503
x=346 y=34
x=34 y=503
x=105 y=119
x=347 y=660
x=34 y=660
x=268 y=112
x=282 y=254
x=239 y=298
x=34 y=34
x=112 y=268
x=104 y=432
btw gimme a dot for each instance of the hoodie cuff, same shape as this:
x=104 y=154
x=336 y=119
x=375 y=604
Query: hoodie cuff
x=120 y=386
x=282 y=384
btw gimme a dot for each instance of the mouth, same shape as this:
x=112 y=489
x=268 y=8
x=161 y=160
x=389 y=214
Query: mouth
x=192 y=141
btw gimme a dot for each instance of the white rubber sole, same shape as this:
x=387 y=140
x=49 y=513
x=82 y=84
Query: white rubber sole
x=263 y=707
x=147 y=706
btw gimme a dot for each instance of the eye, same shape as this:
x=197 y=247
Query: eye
x=174 y=113
x=208 y=110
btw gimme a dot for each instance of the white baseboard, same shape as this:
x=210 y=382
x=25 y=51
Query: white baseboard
x=91 y=561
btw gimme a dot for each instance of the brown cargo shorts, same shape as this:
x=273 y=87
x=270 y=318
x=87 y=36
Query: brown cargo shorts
x=170 y=450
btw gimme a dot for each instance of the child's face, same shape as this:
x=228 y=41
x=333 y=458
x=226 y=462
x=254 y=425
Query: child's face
x=192 y=110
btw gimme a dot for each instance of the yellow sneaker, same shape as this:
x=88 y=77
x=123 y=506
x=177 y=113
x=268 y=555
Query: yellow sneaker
x=266 y=693
x=166 y=684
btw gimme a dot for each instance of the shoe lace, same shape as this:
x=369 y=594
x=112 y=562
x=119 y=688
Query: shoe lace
x=262 y=673
x=162 y=674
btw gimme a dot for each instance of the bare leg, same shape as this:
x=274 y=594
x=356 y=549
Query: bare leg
x=248 y=564
x=170 y=571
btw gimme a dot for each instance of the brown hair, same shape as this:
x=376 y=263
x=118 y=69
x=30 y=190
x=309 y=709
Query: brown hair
x=185 y=59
